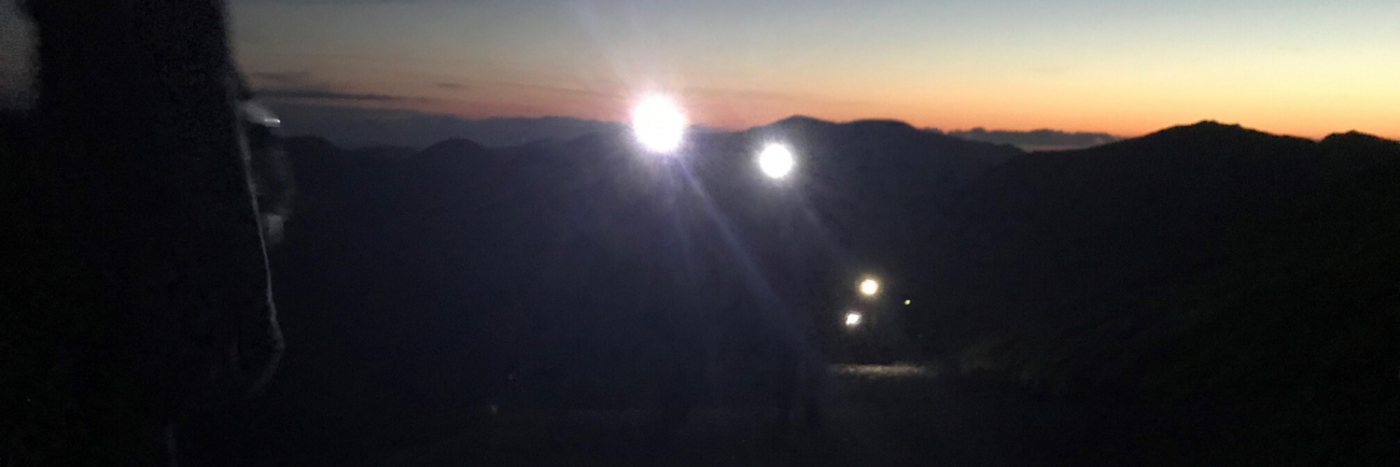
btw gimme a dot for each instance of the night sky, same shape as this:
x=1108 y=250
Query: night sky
x=1297 y=67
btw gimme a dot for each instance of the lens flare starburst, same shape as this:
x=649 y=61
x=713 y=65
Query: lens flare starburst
x=659 y=124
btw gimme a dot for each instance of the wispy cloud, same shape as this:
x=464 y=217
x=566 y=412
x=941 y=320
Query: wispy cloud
x=322 y=94
x=454 y=86
x=285 y=78
x=303 y=85
x=353 y=125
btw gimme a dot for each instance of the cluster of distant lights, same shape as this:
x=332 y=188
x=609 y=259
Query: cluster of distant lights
x=868 y=287
x=659 y=124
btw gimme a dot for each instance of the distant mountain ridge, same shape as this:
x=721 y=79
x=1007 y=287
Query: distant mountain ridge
x=368 y=127
x=1033 y=140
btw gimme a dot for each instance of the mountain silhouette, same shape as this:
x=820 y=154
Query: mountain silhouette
x=1245 y=277
x=1069 y=226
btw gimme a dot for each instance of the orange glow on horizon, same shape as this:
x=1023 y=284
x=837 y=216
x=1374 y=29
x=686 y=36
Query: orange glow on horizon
x=1115 y=109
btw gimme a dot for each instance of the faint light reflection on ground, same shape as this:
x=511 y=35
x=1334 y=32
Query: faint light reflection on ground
x=898 y=370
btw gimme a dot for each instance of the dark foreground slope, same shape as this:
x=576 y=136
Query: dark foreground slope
x=418 y=289
x=1157 y=294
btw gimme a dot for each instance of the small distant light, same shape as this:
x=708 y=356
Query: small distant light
x=659 y=124
x=776 y=161
x=906 y=302
x=869 y=287
x=853 y=319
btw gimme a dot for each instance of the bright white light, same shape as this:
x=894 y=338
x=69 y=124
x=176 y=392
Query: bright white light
x=659 y=124
x=776 y=160
x=853 y=319
x=906 y=302
x=869 y=287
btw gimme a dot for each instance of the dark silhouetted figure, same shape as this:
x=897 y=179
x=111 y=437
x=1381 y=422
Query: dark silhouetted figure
x=144 y=288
